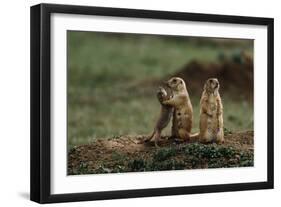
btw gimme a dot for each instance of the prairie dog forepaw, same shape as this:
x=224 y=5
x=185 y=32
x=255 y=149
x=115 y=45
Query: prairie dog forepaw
x=161 y=91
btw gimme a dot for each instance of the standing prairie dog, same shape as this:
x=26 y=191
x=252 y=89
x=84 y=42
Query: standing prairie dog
x=211 y=113
x=163 y=93
x=183 y=112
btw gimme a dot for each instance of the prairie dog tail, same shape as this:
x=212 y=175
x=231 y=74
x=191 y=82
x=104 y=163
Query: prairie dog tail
x=194 y=137
x=150 y=137
x=155 y=136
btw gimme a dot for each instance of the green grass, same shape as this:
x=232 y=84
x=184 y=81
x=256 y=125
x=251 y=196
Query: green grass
x=104 y=74
x=174 y=157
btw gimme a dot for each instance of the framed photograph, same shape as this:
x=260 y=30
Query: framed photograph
x=133 y=103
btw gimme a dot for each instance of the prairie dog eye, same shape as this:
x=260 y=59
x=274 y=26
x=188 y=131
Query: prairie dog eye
x=174 y=81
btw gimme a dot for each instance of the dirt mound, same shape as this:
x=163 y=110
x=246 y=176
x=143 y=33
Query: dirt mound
x=127 y=154
x=234 y=77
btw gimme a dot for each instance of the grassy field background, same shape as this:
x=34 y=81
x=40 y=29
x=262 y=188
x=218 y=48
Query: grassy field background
x=108 y=82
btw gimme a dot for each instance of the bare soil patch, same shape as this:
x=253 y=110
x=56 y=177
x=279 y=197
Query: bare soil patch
x=128 y=154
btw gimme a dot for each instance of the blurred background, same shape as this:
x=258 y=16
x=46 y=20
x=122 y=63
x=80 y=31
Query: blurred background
x=113 y=78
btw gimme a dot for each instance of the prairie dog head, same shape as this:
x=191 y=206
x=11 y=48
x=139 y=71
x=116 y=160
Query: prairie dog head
x=176 y=84
x=212 y=85
x=164 y=92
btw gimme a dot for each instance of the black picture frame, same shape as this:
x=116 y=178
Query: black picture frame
x=41 y=99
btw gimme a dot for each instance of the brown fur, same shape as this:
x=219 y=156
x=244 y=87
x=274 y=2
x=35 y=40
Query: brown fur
x=163 y=93
x=183 y=112
x=211 y=113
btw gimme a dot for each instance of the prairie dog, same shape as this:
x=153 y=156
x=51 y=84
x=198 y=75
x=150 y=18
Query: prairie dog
x=183 y=111
x=211 y=113
x=163 y=93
